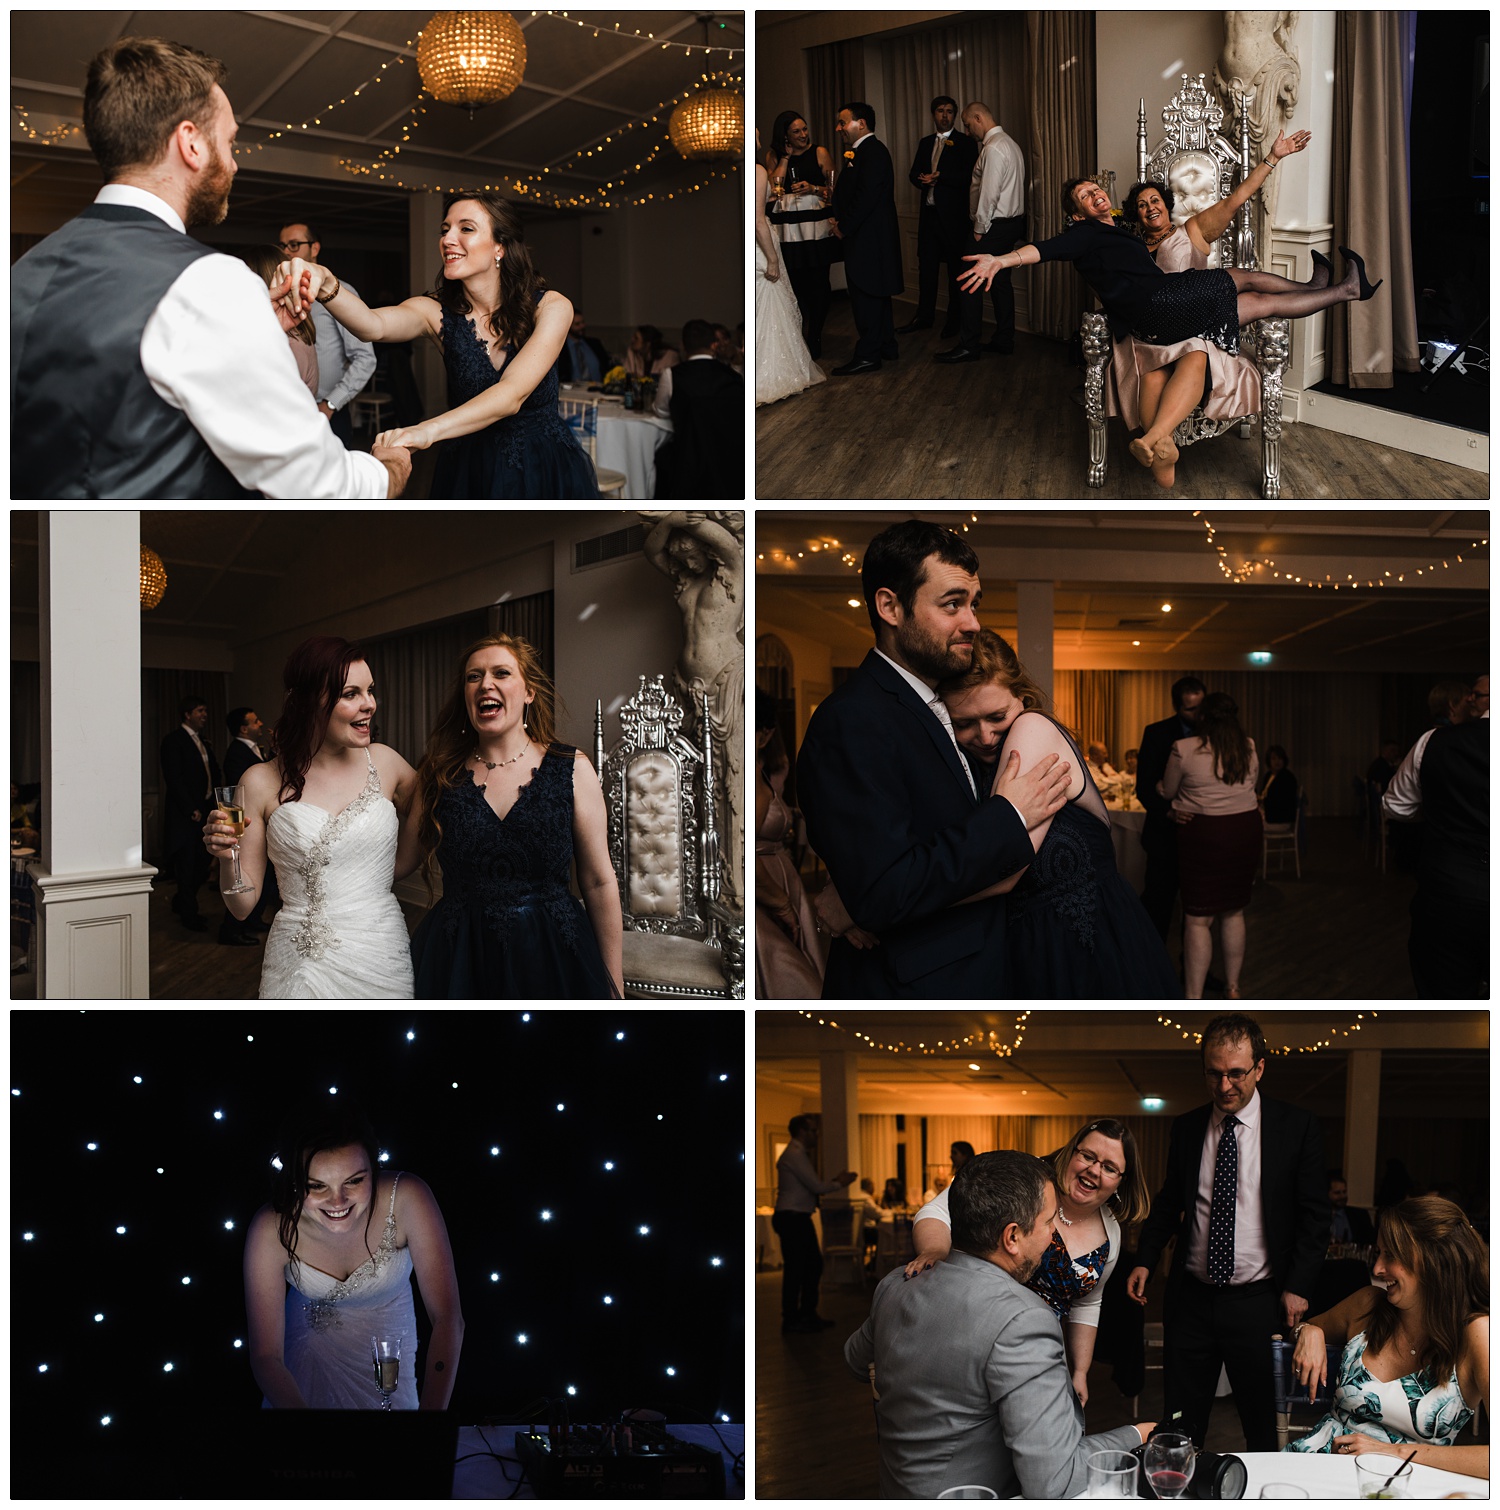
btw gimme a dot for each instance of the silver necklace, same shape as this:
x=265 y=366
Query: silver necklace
x=495 y=765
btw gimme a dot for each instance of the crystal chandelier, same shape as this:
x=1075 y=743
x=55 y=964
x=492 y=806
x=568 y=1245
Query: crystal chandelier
x=153 y=578
x=471 y=57
x=711 y=124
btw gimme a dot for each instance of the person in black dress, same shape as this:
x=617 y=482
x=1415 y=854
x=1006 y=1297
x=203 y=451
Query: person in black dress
x=504 y=810
x=1160 y=308
x=1278 y=795
x=805 y=174
x=501 y=331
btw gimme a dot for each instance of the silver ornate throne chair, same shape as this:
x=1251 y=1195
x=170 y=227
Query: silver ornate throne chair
x=1192 y=120
x=680 y=941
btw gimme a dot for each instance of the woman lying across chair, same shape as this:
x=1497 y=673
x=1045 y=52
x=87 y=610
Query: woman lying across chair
x=1212 y=303
x=1416 y=1363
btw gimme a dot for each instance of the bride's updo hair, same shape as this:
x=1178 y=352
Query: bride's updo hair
x=305 y=1135
x=452 y=741
x=313 y=677
x=514 y=317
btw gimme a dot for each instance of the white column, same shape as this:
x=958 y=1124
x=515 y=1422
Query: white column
x=1034 y=631
x=1361 y=1123
x=92 y=889
x=839 y=1073
x=426 y=215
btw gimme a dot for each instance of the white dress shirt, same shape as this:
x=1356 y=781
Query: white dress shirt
x=797 y=1184
x=1403 y=797
x=662 y=408
x=937 y=155
x=997 y=187
x=938 y=707
x=345 y=363
x=1251 y=1260
x=214 y=350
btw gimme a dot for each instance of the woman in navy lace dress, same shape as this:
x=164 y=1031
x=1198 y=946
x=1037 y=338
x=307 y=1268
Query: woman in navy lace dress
x=505 y=810
x=1075 y=930
x=500 y=331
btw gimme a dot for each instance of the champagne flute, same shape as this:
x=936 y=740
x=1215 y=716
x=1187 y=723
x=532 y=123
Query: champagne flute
x=387 y=1360
x=231 y=801
x=1169 y=1464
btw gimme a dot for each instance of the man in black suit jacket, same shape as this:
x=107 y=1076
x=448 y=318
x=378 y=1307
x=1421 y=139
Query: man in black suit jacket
x=573 y=361
x=891 y=807
x=1349 y=1224
x=942 y=174
x=1251 y=1223
x=1159 y=832
x=705 y=457
x=190 y=773
x=864 y=218
x=243 y=751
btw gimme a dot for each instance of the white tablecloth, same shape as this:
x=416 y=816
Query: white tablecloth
x=482 y=1478
x=1329 y=1476
x=627 y=442
x=768 y=1245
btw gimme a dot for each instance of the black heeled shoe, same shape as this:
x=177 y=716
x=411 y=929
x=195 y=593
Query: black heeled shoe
x=1319 y=260
x=1366 y=288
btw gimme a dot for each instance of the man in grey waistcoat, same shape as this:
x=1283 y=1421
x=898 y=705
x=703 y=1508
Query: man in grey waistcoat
x=971 y=1383
x=144 y=364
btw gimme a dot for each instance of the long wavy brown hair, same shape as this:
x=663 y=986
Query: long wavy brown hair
x=995 y=660
x=452 y=741
x=309 y=1133
x=1433 y=1239
x=314 y=677
x=514 y=317
x=1219 y=729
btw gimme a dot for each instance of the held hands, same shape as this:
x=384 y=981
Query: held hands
x=1310 y=1359
x=299 y=282
x=413 y=437
x=218 y=833
x=1285 y=146
x=982 y=274
x=1039 y=793
x=397 y=462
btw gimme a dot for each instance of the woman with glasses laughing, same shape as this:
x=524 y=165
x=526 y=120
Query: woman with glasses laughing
x=1101 y=1188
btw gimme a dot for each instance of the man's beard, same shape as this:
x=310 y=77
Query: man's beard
x=1025 y=1270
x=208 y=201
x=931 y=658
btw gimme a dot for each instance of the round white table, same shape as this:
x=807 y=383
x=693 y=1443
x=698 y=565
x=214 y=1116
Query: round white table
x=627 y=441
x=1329 y=1476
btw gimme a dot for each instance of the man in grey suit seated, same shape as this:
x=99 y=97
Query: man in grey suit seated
x=967 y=1364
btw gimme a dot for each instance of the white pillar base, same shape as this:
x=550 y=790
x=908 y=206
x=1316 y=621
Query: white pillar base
x=92 y=933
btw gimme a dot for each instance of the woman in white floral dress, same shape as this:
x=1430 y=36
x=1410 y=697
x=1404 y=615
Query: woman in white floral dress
x=1416 y=1362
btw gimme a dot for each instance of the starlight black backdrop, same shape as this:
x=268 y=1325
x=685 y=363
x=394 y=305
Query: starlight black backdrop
x=665 y=1104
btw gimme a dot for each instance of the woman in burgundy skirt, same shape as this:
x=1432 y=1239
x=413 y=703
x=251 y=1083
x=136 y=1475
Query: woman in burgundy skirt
x=1210 y=781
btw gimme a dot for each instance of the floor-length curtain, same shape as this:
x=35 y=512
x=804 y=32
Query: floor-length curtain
x=1064 y=136
x=1368 y=343
x=415 y=670
x=529 y=619
x=162 y=691
x=1085 y=702
x=877 y=1149
x=835 y=75
x=944 y=1132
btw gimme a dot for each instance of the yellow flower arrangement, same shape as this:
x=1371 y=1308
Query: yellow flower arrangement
x=615 y=374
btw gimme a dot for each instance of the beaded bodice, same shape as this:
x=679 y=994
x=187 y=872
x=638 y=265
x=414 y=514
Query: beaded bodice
x=502 y=865
x=323 y=1298
x=470 y=373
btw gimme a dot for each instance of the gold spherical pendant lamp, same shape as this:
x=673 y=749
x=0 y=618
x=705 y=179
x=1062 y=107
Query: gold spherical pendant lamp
x=471 y=57
x=711 y=124
x=153 y=578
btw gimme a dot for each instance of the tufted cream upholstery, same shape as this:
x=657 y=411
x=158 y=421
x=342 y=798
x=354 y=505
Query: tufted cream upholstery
x=653 y=835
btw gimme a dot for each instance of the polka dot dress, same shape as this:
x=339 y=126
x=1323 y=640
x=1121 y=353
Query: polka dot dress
x=1200 y=302
x=1221 y=1206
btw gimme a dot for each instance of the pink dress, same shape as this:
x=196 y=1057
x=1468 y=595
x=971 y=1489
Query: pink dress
x=1233 y=382
x=788 y=957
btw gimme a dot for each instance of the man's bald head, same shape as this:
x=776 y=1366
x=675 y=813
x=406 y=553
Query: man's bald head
x=978 y=119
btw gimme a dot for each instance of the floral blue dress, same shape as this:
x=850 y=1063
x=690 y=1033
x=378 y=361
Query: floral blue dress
x=529 y=454
x=1412 y=1408
x=1061 y=1279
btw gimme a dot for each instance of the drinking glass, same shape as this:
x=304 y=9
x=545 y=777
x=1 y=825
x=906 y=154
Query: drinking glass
x=231 y=800
x=1112 y=1476
x=968 y=1492
x=1283 y=1492
x=387 y=1360
x=1169 y=1464
x=1372 y=1469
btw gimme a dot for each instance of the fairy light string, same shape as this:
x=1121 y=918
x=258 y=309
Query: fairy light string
x=1286 y=1048
x=980 y=1040
x=601 y=29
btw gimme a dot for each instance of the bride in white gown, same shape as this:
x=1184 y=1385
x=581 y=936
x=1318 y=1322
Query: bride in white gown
x=328 y=810
x=783 y=365
x=328 y=1267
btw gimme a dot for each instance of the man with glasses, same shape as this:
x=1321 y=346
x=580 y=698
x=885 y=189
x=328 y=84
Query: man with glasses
x=1245 y=1197
x=345 y=363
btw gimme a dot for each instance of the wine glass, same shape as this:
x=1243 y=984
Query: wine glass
x=1169 y=1464
x=231 y=801
x=387 y=1360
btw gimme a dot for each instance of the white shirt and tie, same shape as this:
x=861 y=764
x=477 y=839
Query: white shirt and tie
x=940 y=140
x=1252 y=1261
x=939 y=711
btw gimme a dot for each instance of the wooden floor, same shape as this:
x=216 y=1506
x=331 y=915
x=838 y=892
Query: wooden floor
x=1336 y=934
x=814 y=1422
x=1013 y=428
